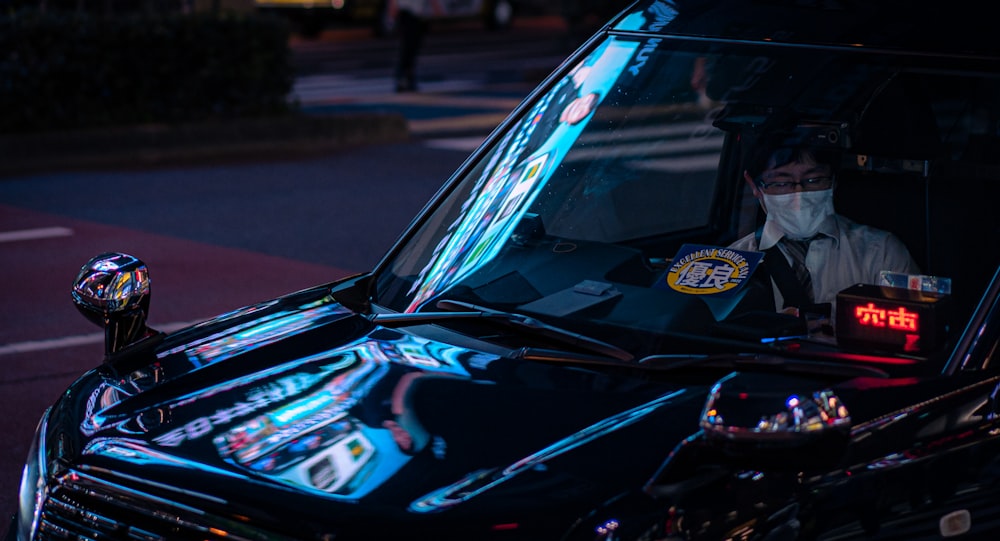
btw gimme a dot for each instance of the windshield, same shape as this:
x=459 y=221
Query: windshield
x=621 y=202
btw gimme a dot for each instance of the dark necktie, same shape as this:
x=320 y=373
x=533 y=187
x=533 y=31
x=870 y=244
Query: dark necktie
x=797 y=249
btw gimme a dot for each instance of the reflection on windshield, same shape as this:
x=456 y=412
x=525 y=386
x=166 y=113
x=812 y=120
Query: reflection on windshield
x=524 y=162
x=585 y=213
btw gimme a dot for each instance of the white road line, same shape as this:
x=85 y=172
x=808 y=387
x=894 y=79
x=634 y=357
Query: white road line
x=34 y=234
x=335 y=89
x=466 y=144
x=56 y=343
x=73 y=341
x=680 y=164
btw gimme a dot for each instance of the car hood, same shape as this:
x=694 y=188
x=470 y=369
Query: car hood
x=300 y=405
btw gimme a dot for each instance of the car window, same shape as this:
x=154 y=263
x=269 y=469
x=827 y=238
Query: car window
x=634 y=158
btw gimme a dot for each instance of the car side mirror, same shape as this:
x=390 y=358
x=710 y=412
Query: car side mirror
x=112 y=290
x=766 y=421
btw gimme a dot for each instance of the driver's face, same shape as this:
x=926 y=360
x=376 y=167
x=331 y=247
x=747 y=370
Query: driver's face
x=805 y=174
x=795 y=176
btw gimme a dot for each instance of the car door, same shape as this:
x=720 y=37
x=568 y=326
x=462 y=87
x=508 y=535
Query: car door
x=929 y=464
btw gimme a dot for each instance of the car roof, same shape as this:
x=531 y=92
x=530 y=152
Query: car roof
x=956 y=27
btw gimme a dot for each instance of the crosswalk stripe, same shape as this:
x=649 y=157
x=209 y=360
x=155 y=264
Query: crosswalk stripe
x=35 y=234
x=465 y=144
x=369 y=90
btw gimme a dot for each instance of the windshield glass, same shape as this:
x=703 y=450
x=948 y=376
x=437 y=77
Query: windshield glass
x=624 y=203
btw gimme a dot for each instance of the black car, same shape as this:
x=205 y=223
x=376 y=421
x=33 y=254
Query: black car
x=570 y=342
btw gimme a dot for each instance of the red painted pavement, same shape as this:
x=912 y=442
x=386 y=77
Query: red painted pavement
x=190 y=281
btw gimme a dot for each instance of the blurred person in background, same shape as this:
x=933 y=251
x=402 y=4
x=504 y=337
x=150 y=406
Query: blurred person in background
x=411 y=19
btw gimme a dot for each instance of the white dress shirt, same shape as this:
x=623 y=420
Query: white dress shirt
x=846 y=253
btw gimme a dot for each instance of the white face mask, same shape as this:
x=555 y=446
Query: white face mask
x=799 y=214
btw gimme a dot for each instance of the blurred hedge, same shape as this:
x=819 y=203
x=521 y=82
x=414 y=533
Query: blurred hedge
x=66 y=70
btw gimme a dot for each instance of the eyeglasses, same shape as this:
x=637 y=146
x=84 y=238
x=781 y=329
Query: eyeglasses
x=786 y=186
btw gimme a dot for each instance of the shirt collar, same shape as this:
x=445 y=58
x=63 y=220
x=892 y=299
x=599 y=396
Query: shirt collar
x=772 y=234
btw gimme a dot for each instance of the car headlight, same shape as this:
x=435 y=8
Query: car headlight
x=33 y=485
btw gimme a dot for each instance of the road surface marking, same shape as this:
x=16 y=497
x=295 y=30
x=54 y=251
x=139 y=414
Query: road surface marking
x=73 y=341
x=34 y=234
x=465 y=144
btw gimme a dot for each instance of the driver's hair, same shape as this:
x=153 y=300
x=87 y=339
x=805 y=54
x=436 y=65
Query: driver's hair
x=777 y=149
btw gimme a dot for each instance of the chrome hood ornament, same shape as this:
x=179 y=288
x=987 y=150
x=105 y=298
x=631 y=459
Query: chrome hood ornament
x=112 y=290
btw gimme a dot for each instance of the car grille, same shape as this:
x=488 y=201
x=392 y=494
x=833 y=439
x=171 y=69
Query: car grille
x=84 y=507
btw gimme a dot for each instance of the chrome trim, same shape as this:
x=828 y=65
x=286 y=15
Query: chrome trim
x=112 y=290
x=33 y=485
x=984 y=314
x=88 y=506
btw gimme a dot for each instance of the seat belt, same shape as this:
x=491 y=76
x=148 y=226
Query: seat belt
x=792 y=291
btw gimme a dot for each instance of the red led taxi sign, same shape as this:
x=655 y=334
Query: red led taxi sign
x=891 y=318
x=896 y=318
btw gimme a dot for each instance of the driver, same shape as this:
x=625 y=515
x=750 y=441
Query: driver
x=825 y=251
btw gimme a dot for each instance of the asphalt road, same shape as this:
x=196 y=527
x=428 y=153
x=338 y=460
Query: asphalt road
x=222 y=234
x=215 y=238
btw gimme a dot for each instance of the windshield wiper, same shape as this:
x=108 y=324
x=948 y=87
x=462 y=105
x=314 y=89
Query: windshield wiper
x=464 y=310
x=540 y=328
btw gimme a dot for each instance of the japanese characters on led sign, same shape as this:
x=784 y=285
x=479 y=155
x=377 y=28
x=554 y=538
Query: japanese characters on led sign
x=895 y=318
x=892 y=317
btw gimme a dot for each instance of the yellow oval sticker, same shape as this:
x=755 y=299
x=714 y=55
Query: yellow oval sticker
x=710 y=270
